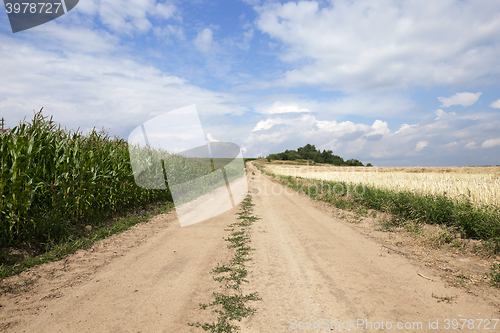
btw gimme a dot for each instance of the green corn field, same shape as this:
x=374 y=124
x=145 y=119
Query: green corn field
x=54 y=182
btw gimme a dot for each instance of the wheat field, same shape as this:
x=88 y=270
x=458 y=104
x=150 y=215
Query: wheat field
x=479 y=184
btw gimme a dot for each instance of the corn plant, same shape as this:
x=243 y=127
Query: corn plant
x=53 y=181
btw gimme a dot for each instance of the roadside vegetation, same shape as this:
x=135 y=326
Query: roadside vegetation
x=479 y=185
x=230 y=305
x=458 y=216
x=62 y=190
x=18 y=260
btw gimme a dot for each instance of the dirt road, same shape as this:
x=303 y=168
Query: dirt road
x=308 y=267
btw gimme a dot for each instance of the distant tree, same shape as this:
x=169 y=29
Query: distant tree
x=283 y=156
x=275 y=156
x=309 y=152
x=354 y=162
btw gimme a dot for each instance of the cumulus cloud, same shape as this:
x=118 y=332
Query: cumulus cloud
x=451 y=145
x=127 y=16
x=365 y=104
x=210 y=138
x=300 y=129
x=165 y=10
x=83 y=91
x=121 y=17
x=204 y=40
x=243 y=41
x=266 y=124
x=421 y=145
x=496 y=104
x=374 y=137
x=366 y=45
x=405 y=127
x=464 y=99
x=169 y=30
x=78 y=39
x=442 y=115
x=491 y=143
x=471 y=145
x=282 y=107
x=439 y=138
x=380 y=128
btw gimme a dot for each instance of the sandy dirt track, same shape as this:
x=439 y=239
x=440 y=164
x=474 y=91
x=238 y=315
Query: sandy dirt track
x=307 y=266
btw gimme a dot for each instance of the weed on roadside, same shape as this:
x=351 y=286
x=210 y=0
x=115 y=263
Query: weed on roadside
x=447 y=299
x=414 y=228
x=386 y=225
x=15 y=288
x=231 y=306
x=71 y=245
x=495 y=275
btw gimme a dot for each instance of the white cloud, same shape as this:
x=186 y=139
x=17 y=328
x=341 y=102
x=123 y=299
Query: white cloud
x=78 y=39
x=496 y=104
x=491 y=143
x=471 y=145
x=464 y=99
x=83 y=91
x=365 y=45
x=125 y=16
x=87 y=7
x=204 y=40
x=380 y=127
x=429 y=142
x=281 y=107
x=210 y=138
x=364 y=104
x=169 y=30
x=264 y=125
x=165 y=10
x=247 y=37
x=451 y=145
x=370 y=104
x=404 y=127
x=243 y=41
x=421 y=145
x=298 y=123
x=128 y=16
x=443 y=115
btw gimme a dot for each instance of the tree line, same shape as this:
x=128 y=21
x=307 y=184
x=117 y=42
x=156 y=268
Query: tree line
x=309 y=152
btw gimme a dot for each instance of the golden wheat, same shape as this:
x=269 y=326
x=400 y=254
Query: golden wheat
x=480 y=188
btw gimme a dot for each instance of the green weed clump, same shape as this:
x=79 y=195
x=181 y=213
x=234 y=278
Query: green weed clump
x=231 y=306
x=495 y=275
x=469 y=220
x=54 y=183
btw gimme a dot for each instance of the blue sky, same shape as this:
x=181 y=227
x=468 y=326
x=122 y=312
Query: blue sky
x=388 y=82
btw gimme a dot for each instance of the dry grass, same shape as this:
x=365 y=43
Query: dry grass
x=480 y=184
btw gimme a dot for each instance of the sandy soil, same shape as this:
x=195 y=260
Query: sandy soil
x=308 y=265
